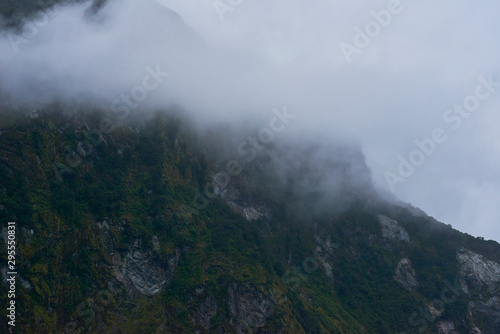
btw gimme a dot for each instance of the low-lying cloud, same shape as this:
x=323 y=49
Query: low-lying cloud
x=228 y=60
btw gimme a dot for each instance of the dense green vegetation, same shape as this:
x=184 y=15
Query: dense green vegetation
x=112 y=237
x=60 y=183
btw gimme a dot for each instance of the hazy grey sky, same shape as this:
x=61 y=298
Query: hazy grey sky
x=386 y=72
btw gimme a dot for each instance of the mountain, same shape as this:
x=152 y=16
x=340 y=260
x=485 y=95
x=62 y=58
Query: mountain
x=149 y=223
x=152 y=225
x=16 y=12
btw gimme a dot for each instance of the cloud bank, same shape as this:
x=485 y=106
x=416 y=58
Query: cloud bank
x=388 y=73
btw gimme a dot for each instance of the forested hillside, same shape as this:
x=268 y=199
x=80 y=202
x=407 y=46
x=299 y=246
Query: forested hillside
x=134 y=230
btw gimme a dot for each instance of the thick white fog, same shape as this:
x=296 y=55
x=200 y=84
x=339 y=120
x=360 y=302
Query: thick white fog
x=416 y=82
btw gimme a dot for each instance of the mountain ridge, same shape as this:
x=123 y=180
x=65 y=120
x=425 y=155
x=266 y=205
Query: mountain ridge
x=122 y=234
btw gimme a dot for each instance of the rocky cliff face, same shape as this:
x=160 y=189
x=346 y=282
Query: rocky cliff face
x=392 y=231
x=483 y=275
x=480 y=280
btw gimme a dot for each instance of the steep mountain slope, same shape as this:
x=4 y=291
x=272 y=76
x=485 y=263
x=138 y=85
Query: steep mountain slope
x=145 y=227
x=15 y=12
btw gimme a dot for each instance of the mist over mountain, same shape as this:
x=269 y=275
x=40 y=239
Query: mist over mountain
x=244 y=167
x=240 y=62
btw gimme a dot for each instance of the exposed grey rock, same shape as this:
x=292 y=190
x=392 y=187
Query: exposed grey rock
x=327 y=266
x=25 y=283
x=406 y=275
x=28 y=234
x=481 y=277
x=392 y=230
x=446 y=327
x=205 y=312
x=172 y=262
x=251 y=213
x=481 y=273
x=139 y=269
x=156 y=243
x=249 y=308
x=488 y=311
x=323 y=252
x=232 y=197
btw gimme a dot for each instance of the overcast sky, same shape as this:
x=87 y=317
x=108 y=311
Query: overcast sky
x=388 y=73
